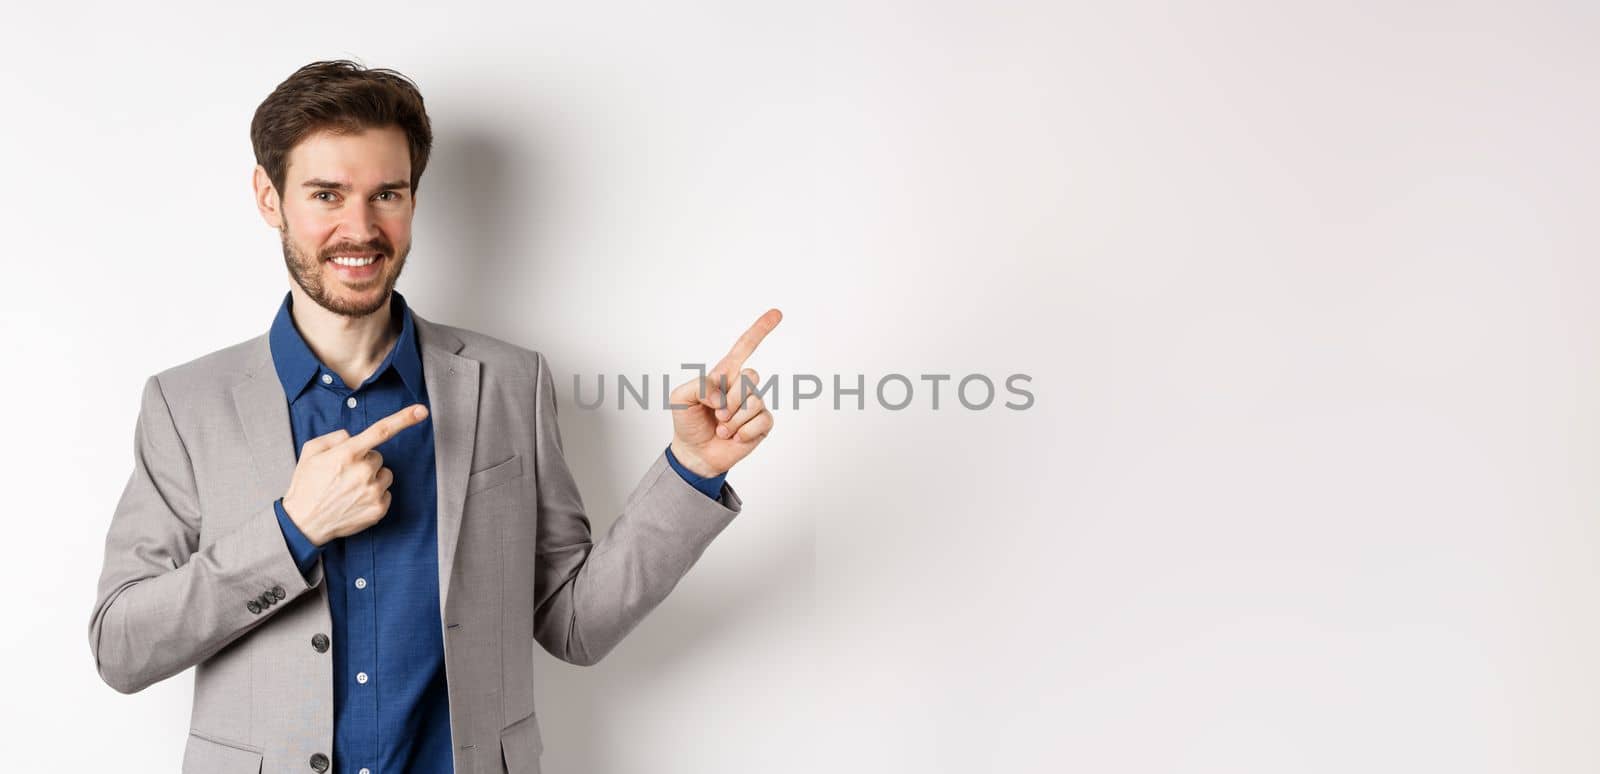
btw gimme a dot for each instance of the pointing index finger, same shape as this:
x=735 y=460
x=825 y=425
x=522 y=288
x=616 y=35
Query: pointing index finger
x=386 y=428
x=733 y=362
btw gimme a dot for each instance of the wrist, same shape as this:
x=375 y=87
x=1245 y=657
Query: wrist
x=691 y=461
x=300 y=524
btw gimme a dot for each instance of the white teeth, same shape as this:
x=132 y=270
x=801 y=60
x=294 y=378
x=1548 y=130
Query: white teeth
x=343 y=261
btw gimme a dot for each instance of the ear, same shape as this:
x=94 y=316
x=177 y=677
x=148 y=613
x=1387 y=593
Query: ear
x=267 y=200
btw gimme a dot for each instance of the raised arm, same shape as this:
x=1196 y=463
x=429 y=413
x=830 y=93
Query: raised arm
x=589 y=594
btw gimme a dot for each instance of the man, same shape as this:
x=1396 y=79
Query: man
x=368 y=604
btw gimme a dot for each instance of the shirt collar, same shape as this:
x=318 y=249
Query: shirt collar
x=297 y=366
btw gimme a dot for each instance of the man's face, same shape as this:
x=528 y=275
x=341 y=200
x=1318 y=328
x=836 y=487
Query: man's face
x=345 y=195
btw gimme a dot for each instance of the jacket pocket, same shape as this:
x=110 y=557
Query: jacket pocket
x=494 y=475
x=520 y=746
x=206 y=755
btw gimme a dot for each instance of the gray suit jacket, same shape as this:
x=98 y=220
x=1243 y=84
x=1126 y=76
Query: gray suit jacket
x=195 y=538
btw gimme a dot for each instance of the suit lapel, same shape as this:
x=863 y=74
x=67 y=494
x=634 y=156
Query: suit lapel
x=452 y=383
x=264 y=413
x=453 y=400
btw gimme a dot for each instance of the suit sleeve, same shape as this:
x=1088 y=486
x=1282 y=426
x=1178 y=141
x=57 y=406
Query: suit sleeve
x=589 y=594
x=164 y=603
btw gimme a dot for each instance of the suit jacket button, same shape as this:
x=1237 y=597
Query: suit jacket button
x=255 y=607
x=278 y=592
x=320 y=642
x=319 y=762
x=265 y=599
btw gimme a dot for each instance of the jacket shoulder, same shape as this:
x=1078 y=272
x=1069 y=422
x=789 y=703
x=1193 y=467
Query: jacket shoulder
x=222 y=367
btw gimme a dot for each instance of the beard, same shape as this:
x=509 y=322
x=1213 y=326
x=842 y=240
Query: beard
x=309 y=272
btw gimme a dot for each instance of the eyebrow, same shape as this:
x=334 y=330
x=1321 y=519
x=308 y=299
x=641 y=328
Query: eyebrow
x=317 y=182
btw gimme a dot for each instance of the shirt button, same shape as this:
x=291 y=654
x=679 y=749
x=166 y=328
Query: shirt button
x=361 y=583
x=365 y=770
x=350 y=401
x=361 y=677
x=327 y=379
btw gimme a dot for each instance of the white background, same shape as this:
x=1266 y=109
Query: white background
x=1307 y=292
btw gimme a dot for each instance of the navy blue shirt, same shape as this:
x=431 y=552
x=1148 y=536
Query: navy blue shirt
x=390 y=705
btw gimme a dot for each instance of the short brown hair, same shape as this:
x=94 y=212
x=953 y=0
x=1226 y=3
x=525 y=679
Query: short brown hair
x=343 y=97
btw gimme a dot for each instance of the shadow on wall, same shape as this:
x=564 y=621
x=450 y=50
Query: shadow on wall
x=466 y=201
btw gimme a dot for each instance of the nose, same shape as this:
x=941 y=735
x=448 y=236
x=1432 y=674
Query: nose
x=358 y=224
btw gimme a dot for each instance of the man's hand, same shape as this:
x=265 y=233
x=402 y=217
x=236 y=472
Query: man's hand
x=722 y=419
x=340 y=486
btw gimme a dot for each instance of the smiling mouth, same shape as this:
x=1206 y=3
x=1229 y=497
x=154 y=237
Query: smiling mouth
x=357 y=271
x=355 y=261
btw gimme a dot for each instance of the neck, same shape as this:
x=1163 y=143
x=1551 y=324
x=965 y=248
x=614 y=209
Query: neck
x=351 y=346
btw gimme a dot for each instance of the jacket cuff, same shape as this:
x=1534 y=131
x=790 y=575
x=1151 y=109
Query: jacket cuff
x=256 y=563
x=682 y=509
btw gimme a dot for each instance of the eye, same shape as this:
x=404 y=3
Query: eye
x=391 y=193
x=319 y=193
